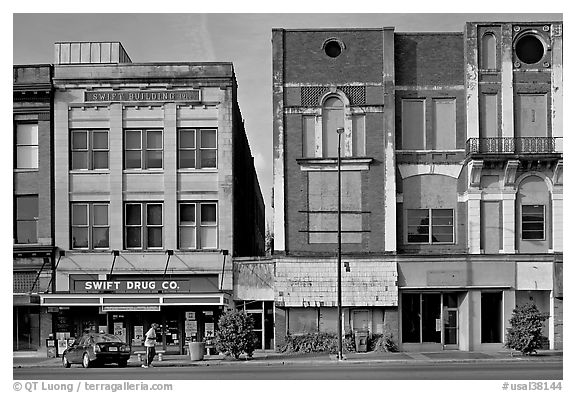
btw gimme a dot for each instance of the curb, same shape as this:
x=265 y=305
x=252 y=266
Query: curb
x=263 y=362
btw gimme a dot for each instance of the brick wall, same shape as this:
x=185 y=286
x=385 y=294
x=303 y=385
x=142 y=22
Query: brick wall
x=360 y=61
x=429 y=59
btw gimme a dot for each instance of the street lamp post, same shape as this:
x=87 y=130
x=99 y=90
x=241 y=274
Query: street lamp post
x=339 y=131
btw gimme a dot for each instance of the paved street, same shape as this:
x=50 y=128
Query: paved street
x=492 y=370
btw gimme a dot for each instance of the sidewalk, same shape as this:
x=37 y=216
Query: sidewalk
x=263 y=358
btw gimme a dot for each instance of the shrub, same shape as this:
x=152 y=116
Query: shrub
x=235 y=334
x=525 y=331
x=382 y=343
x=317 y=342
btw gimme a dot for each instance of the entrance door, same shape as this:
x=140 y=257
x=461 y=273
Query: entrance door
x=257 y=317
x=450 y=317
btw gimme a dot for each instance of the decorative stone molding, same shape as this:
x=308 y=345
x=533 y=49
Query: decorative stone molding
x=510 y=172
x=475 y=172
x=408 y=170
x=558 y=177
x=331 y=164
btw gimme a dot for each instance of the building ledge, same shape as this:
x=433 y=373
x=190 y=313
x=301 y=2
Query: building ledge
x=331 y=164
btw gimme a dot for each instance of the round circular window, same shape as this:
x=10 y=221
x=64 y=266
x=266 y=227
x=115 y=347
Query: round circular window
x=529 y=49
x=333 y=48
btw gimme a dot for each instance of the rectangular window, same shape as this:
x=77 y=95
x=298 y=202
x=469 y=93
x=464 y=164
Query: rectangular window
x=308 y=136
x=143 y=149
x=197 y=225
x=26 y=146
x=444 y=124
x=533 y=222
x=90 y=149
x=26 y=219
x=411 y=317
x=430 y=225
x=491 y=317
x=90 y=226
x=359 y=136
x=323 y=207
x=413 y=124
x=197 y=148
x=531 y=115
x=489 y=116
x=143 y=225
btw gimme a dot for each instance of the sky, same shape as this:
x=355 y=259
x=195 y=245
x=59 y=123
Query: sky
x=243 y=39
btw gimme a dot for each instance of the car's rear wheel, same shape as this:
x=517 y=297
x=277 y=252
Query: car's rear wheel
x=65 y=361
x=122 y=363
x=86 y=363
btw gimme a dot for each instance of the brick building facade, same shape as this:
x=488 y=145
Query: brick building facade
x=451 y=185
x=34 y=251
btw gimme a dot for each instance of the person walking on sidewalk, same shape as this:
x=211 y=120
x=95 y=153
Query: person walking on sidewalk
x=150 y=344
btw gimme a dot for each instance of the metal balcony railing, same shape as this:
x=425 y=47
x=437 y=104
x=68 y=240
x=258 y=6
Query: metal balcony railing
x=513 y=145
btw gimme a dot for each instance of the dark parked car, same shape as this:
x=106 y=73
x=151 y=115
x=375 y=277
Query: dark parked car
x=97 y=348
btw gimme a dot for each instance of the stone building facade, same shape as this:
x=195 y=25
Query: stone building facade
x=154 y=193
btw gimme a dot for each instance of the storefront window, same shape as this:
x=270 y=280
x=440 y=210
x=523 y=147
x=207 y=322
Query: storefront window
x=302 y=320
x=411 y=317
x=491 y=317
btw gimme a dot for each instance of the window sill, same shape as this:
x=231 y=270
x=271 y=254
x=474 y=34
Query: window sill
x=89 y=171
x=201 y=170
x=331 y=164
x=141 y=171
x=25 y=170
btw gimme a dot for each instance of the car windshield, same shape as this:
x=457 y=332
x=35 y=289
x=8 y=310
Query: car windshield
x=106 y=338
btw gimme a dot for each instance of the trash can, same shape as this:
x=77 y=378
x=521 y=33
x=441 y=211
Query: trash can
x=196 y=350
x=51 y=349
x=361 y=338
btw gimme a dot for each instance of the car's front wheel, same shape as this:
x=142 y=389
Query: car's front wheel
x=65 y=361
x=122 y=363
x=86 y=363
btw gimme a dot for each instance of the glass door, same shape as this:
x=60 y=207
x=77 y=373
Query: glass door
x=257 y=317
x=450 y=319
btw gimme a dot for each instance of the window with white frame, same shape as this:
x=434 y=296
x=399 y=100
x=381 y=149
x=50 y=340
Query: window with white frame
x=26 y=146
x=143 y=225
x=430 y=225
x=26 y=230
x=197 y=225
x=533 y=224
x=90 y=149
x=143 y=149
x=197 y=148
x=90 y=226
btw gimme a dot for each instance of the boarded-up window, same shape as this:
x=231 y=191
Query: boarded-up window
x=489 y=115
x=413 y=124
x=302 y=320
x=359 y=135
x=488 y=52
x=444 y=124
x=531 y=115
x=323 y=207
x=308 y=136
x=491 y=226
x=332 y=119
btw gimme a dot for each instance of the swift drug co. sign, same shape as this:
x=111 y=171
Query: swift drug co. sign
x=180 y=285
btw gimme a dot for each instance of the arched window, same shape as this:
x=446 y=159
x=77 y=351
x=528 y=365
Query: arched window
x=488 y=52
x=332 y=119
